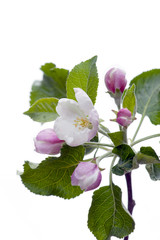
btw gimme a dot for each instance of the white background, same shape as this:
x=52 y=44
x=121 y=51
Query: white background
x=66 y=32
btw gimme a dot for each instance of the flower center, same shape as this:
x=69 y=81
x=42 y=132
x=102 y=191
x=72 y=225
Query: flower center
x=81 y=123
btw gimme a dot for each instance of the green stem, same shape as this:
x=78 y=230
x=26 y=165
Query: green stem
x=125 y=135
x=140 y=123
x=145 y=138
x=98 y=159
x=103 y=132
x=104 y=148
x=119 y=107
x=110 y=173
x=103 y=156
x=104 y=128
x=96 y=144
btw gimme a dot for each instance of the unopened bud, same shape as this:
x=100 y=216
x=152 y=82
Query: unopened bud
x=86 y=175
x=47 y=142
x=124 y=117
x=115 y=79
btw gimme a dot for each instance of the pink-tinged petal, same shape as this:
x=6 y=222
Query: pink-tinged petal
x=85 y=168
x=83 y=100
x=124 y=112
x=96 y=183
x=94 y=119
x=124 y=117
x=88 y=181
x=86 y=175
x=68 y=109
x=74 y=180
x=47 y=142
x=110 y=81
x=48 y=148
x=124 y=122
x=115 y=79
x=48 y=135
x=120 y=81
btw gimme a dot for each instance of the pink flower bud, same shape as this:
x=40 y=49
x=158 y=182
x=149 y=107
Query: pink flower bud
x=124 y=117
x=47 y=142
x=115 y=79
x=86 y=175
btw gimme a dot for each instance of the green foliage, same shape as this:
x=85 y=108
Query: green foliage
x=129 y=100
x=154 y=171
x=125 y=163
x=149 y=152
x=84 y=76
x=148 y=94
x=52 y=85
x=116 y=137
x=53 y=175
x=43 y=110
x=146 y=155
x=107 y=216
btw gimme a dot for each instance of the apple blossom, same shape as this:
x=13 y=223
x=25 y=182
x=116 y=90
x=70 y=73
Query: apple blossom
x=86 y=175
x=78 y=120
x=47 y=142
x=115 y=79
x=124 y=117
x=77 y=124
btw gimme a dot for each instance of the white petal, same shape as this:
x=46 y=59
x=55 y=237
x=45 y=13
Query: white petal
x=66 y=130
x=68 y=109
x=84 y=101
x=89 y=180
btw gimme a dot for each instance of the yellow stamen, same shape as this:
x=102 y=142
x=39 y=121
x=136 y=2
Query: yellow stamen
x=82 y=123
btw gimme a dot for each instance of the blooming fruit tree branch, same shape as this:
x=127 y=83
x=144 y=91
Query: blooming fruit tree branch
x=66 y=100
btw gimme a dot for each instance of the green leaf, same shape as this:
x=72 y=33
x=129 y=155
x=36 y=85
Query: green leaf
x=53 y=175
x=107 y=216
x=125 y=163
x=149 y=157
x=154 y=171
x=129 y=100
x=43 y=110
x=149 y=151
x=84 y=76
x=146 y=155
x=116 y=137
x=52 y=85
x=148 y=94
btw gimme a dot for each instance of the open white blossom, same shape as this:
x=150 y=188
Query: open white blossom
x=78 y=121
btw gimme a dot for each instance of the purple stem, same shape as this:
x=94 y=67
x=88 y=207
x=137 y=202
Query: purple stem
x=131 y=202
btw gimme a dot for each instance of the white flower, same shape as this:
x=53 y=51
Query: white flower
x=78 y=121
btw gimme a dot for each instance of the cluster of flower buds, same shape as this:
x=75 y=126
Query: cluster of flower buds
x=78 y=123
